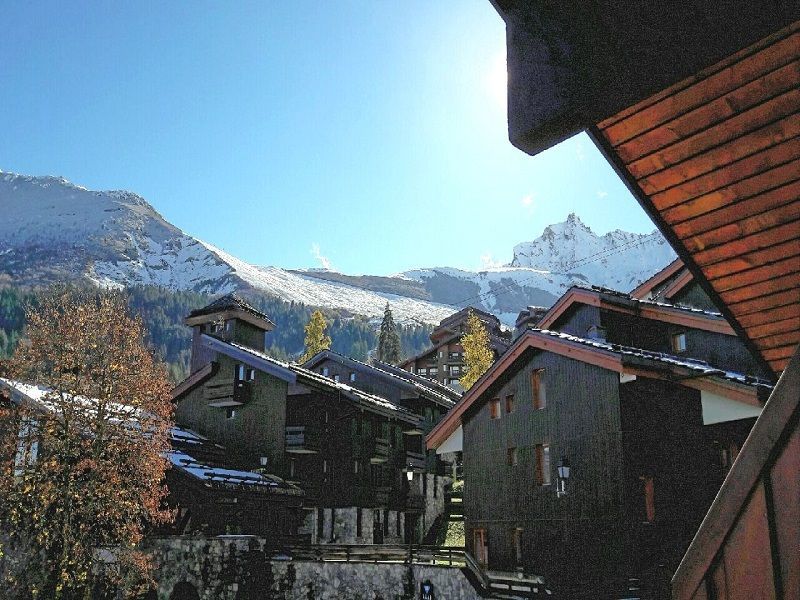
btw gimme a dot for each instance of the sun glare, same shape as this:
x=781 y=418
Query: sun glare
x=497 y=80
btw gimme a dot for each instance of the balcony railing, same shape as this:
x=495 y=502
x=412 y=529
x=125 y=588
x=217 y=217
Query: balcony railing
x=380 y=452
x=302 y=440
x=227 y=393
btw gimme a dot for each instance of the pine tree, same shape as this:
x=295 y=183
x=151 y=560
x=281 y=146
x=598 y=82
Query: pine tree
x=478 y=355
x=316 y=339
x=388 y=341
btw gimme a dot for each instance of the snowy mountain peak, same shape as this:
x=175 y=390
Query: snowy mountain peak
x=53 y=230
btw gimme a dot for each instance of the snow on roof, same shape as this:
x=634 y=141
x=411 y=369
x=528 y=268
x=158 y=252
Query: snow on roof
x=628 y=297
x=432 y=389
x=349 y=391
x=229 y=302
x=229 y=478
x=356 y=394
x=687 y=363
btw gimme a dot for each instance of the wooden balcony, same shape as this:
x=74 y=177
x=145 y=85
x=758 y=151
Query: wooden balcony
x=381 y=495
x=227 y=393
x=415 y=502
x=302 y=440
x=380 y=452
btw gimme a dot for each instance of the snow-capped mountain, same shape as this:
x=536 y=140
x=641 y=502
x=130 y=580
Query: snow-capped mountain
x=52 y=230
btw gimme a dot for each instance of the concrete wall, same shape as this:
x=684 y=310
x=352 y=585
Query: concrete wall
x=231 y=568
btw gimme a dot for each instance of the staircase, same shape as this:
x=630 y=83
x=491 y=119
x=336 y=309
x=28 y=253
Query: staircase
x=453 y=513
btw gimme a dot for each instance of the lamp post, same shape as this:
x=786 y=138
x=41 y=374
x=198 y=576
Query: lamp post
x=563 y=475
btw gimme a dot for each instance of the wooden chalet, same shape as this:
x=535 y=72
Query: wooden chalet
x=648 y=403
x=695 y=105
x=357 y=455
x=210 y=498
x=425 y=397
x=674 y=284
x=444 y=361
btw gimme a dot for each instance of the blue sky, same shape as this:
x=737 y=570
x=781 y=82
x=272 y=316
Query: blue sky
x=372 y=133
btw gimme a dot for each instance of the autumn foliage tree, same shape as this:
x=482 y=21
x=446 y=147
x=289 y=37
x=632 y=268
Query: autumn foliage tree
x=478 y=355
x=88 y=473
x=316 y=338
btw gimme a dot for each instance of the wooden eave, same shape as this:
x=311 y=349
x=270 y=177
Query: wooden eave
x=598 y=357
x=251 y=359
x=676 y=316
x=231 y=313
x=194 y=379
x=656 y=280
x=680 y=283
x=715 y=162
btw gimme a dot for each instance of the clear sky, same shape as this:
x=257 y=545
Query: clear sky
x=372 y=133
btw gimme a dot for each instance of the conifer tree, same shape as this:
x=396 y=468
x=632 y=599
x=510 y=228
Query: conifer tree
x=478 y=356
x=316 y=339
x=389 y=340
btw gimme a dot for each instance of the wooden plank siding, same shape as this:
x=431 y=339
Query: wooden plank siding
x=581 y=421
x=749 y=543
x=717 y=159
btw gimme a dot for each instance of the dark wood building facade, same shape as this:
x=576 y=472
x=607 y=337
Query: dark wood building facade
x=444 y=361
x=352 y=441
x=648 y=436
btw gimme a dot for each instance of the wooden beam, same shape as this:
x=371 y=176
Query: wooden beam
x=736 y=192
x=768 y=285
x=781 y=79
x=727 y=174
x=756 y=241
x=758 y=128
x=727 y=271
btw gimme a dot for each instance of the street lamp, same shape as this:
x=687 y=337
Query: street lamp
x=409 y=472
x=563 y=475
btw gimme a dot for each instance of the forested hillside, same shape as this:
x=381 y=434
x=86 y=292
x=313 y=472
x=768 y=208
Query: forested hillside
x=163 y=312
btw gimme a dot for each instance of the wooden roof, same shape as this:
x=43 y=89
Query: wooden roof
x=715 y=160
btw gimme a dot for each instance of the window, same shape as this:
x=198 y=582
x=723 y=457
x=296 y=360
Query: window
x=480 y=546
x=538 y=389
x=320 y=522
x=230 y=412
x=336 y=378
x=324 y=466
x=229 y=325
x=679 y=342
x=356 y=467
x=649 y=493
x=397 y=525
x=325 y=371
x=352 y=376
x=494 y=408
x=509 y=403
x=251 y=374
x=542 y=464
x=358 y=521
x=240 y=372
x=517 y=536
x=512 y=458
x=422 y=371
x=292 y=468
x=433 y=371
x=386 y=522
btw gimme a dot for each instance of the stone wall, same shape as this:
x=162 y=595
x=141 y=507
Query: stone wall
x=233 y=568
x=345 y=528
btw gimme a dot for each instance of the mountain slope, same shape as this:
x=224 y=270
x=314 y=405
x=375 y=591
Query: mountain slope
x=53 y=230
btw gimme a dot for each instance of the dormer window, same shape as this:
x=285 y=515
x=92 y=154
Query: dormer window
x=325 y=371
x=679 y=342
x=229 y=325
x=352 y=376
x=336 y=378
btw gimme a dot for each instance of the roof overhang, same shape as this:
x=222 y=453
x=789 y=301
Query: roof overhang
x=646 y=287
x=573 y=64
x=609 y=360
x=695 y=105
x=231 y=313
x=676 y=316
x=250 y=359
